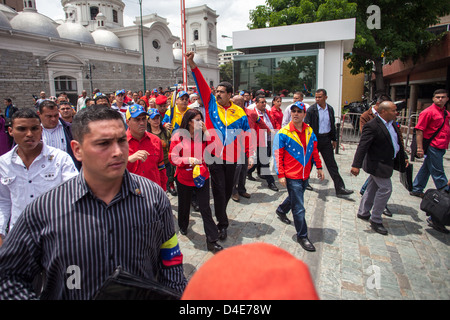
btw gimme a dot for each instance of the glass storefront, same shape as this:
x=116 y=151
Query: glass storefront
x=277 y=73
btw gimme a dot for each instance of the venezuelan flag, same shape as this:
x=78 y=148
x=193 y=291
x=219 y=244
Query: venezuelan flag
x=170 y=252
x=199 y=173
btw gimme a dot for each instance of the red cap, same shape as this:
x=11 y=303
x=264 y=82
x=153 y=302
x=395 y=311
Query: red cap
x=257 y=271
x=161 y=99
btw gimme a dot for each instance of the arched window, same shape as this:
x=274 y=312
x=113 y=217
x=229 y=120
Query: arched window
x=65 y=83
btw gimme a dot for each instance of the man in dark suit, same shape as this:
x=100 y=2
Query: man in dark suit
x=320 y=116
x=379 y=152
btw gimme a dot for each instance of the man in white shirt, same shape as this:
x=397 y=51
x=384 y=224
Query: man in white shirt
x=30 y=169
x=56 y=132
x=81 y=102
x=298 y=96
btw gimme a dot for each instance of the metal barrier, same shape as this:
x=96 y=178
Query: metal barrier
x=349 y=128
x=349 y=131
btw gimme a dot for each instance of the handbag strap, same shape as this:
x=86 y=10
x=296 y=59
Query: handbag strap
x=438 y=130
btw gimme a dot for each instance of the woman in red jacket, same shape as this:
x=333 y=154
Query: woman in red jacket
x=187 y=154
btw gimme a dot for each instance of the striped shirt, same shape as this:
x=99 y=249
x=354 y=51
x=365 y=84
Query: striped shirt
x=78 y=241
x=55 y=137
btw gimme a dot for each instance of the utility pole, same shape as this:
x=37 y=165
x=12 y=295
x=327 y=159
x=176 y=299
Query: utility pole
x=142 y=45
x=183 y=43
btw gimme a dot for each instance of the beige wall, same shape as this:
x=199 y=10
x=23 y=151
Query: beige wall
x=352 y=85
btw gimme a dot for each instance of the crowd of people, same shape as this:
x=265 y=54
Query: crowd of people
x=91 y=181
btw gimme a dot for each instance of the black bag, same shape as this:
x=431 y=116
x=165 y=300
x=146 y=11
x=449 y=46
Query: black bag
x=436 y=203
x=122 y=285
x=406 y=178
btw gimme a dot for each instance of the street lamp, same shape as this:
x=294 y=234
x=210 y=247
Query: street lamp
x=142 y=44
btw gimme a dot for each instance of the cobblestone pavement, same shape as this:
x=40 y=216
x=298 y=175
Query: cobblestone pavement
x=351 y=261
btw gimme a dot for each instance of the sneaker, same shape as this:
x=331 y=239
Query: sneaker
x=417 y=194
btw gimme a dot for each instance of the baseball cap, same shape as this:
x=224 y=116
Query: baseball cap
x=161 y=99
x=152 y=113
x=299 y=105
x=134 y=111
x=182 y=93
x=239 y=281
x=122 y=91
x=99 y=95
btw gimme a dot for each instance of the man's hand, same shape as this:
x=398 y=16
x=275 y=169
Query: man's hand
x=419 y=153
x=168 y=126
x=138 y=155
x=334 y=144
x=190 y=59
x=320 y=174
x=251 y=162
x=282 y=181
x=354 y=171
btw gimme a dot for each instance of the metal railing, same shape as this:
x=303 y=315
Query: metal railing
x=349 y=130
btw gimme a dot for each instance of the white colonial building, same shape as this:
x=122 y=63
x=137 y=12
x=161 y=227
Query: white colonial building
x=92 y=48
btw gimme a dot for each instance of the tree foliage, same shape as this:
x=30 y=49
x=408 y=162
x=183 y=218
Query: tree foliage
x=403 y=32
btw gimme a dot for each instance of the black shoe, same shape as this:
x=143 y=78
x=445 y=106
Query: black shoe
x=387 y=212
x=343 y=192
x=308 y=187
x=183 y=232
x=306 y=244
x=249 y=177
x=223 y=234
x=173 y=192
x=283 y=217
x=366 y=218
x=378 y=227
x=437 y=226
x=417 y=194
x=214 y=247
x=195 y=205
x=273 y=187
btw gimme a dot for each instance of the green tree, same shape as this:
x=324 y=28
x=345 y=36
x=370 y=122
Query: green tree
x=226 y=72
x=403 y=33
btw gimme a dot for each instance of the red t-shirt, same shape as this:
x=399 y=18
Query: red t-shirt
x=181 y=149
x=430 y=120
x=276 y=116
x=153 y=168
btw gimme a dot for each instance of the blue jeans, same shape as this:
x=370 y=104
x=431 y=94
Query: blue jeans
x=295 y=201
x=432 y=165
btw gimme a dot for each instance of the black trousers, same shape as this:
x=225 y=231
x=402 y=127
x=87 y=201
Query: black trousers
x=263 y=158
x=222 y=180
x=326 y=150
x=184 y=209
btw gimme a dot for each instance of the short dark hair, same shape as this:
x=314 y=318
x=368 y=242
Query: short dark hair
x=227 y=86
x=383 y=97
x=8 y=99
x=323 y=91
x=49 y=104
x=25 y=113
x=440 y=91
x=81 y=121
x=259 y=97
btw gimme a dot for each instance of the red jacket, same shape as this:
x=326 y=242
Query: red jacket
x=153 y=168
x=181 y=149
x=277 y=117
x=257 y=123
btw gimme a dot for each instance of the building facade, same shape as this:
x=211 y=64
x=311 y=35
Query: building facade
x=92 y=49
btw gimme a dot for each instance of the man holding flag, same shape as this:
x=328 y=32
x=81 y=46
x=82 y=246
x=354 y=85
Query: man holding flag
x=228 y=127
x=178 y=107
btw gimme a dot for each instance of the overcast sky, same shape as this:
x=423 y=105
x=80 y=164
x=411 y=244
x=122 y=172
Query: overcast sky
x=233 y=14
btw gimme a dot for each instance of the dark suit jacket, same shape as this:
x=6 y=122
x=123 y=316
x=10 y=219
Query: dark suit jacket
x=375 y=151
x=68 y=133
x=312 y=118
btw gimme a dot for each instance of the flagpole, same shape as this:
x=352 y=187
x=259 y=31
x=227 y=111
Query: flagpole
x=183 y=43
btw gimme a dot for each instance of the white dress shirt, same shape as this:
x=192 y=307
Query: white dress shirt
x=324 y=120
x=20 y=185
x=393 y=134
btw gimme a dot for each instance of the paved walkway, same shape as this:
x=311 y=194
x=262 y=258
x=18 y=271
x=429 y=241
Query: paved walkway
x=351 y=261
